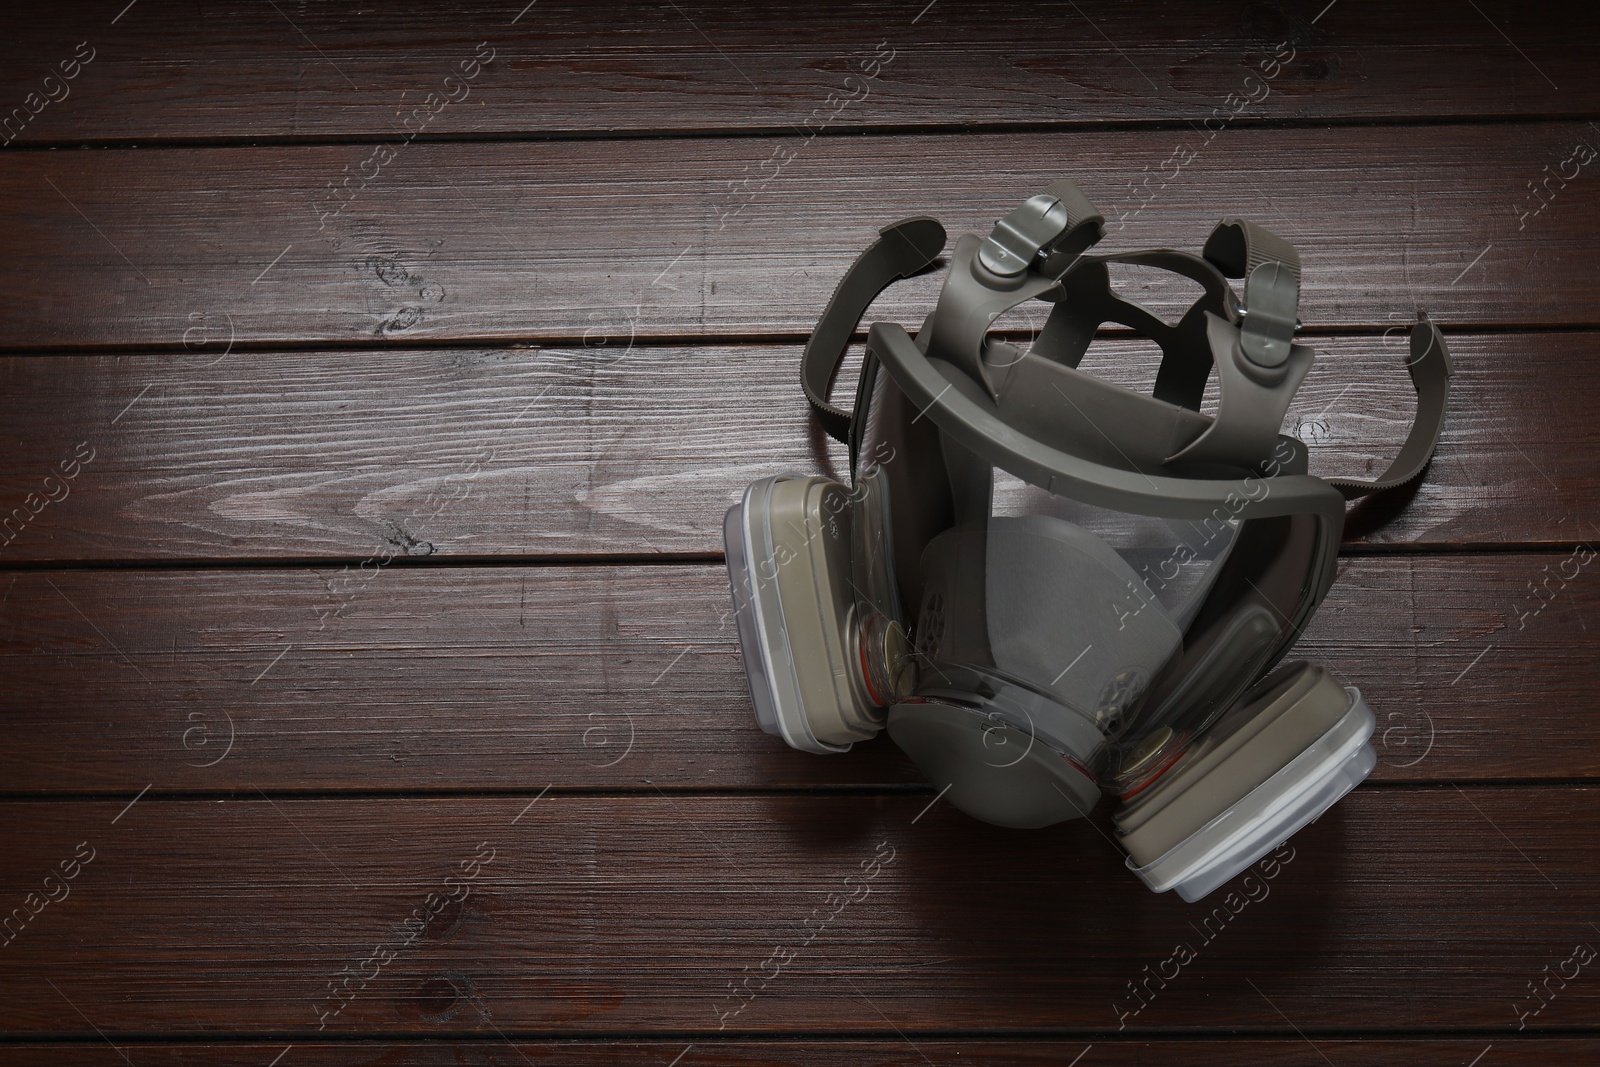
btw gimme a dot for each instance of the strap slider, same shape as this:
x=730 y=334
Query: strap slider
x=1024 y=236
x=1268 y=320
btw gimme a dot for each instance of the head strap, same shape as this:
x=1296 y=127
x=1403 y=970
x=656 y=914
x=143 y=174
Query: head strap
x=1430 y=369
x=902 y=249
x=1037 y=251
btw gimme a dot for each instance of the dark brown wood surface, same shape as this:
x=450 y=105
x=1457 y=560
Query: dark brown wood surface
x=636 y=913
x=240 y=71
x=624 y=239
x=585 y=451
x=358 y=528
x=513 y=678
x=493 y=1050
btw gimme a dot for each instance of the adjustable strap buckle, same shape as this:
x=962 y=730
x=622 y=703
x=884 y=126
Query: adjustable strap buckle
x=1022 y=236
x=1058 y=220
x=1269 y=318
x=1259 y=367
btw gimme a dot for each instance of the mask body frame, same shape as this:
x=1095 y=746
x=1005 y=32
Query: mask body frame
x=957 y=600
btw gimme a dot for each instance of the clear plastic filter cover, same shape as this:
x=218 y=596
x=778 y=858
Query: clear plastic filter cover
x=1307 y=782
x=821 y=661
x=757 y=611
x=746 y=623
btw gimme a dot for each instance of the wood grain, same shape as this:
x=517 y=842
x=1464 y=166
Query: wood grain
x=584 y=241
x=573 y=452
x=244 y=70
x=514 y=678
x=1108 y=1051
x=361 y=519
x=629 y=915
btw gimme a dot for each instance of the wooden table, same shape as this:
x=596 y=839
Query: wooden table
x=376 y=378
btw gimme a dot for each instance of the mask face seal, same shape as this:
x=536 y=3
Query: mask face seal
x=1049 y=588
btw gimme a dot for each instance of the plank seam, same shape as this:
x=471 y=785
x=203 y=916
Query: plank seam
x=556 y=792
x=442 y=561
x=787 y=131
x=732 y=1037
x=776 y=339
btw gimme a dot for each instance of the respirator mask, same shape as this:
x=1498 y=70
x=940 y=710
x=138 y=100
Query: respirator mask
x=1048 y=587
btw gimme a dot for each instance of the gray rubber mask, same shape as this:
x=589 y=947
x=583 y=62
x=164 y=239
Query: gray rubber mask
x=1050 y=588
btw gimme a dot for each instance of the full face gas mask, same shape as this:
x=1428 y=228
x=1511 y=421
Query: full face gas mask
x=1048 y=587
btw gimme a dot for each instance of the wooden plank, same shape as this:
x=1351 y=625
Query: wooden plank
x=894 y=1052
x=574 y=452
x=583 y=730
x=242 y=69
x=630 y=915
x=515 y=678
x=644 y=238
